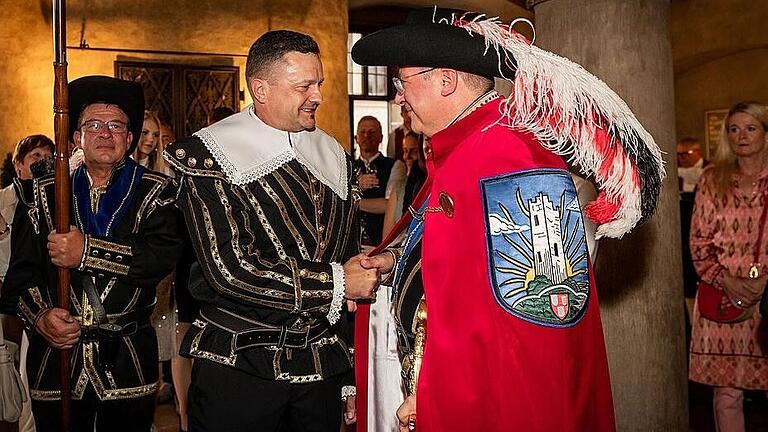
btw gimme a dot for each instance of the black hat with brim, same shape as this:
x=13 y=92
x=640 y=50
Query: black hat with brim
x=429 y=39
x=127 y=95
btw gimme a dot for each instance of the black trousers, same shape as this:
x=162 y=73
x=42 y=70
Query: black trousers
x=123 y=415
x=225 y=399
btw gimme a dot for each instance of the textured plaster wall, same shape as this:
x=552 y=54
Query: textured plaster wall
x=720 y=51
x=205 y=26
x=719 y=84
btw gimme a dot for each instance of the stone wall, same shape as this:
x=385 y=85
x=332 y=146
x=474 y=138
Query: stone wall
x=170 y=25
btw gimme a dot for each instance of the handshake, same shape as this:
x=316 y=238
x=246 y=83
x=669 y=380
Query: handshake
x=362 y=275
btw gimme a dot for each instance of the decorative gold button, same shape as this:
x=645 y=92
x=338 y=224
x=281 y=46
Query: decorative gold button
x=95 y=253
x=107 y=255
x=322 y=245
x=303 y=273
x=180 y=153
x=321 y=228
x=119 y=258
x=446 y=203
x=324 y=277
x=208 y=163
x=191 y=162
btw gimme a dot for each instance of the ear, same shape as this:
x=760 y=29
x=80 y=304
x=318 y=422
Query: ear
x=17 y=166
x=259 y=90
x=128 y=137
x=78 y=139
x=449 y=80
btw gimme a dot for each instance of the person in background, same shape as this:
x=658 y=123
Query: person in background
x=149 y=152
x=725 y=227
x=28 y=151
x=373 y=171
x=166 y=134
x=220 y=113
x=404 y=188
x=690 y=163
x=396 y=137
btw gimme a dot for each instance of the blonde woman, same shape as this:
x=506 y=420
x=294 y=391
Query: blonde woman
x=725 y=226
x=149 y=150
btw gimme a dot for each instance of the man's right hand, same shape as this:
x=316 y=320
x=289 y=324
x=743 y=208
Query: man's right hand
x=383 y=262
x=59 y=328
x=360 y=283
x=406 y=414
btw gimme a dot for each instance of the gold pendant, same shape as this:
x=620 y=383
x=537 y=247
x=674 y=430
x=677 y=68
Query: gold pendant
x=754 y=271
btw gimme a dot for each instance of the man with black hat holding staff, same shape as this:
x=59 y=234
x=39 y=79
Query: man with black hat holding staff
x=512 y=339
x=124 y=241
x=270 y=202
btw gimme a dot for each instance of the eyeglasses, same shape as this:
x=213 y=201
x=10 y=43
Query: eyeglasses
x=399 y=83
x=96 y=126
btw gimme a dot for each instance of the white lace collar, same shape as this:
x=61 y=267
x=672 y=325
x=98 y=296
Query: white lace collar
x=247 y=149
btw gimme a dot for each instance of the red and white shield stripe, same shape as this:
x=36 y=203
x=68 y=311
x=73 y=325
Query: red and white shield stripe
x=559 y=304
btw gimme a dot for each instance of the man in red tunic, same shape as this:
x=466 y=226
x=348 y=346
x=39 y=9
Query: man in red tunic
x=513 y=339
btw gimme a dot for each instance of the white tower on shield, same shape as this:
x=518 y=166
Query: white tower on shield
x=548 y=254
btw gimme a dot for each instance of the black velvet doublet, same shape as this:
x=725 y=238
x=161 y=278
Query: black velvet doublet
x=126 y=266
x=264 y=253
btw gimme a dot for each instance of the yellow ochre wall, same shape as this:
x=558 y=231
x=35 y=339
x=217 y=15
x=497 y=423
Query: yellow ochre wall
x=204 y=26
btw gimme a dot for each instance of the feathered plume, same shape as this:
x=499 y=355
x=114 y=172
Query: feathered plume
x=576 y=115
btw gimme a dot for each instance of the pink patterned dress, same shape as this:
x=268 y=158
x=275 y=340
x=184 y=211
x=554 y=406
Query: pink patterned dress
x=724 y=230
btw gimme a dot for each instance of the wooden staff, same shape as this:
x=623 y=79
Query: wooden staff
x=61 y=179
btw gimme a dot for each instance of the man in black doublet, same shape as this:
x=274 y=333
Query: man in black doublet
x=271 y=206
x=123 y=242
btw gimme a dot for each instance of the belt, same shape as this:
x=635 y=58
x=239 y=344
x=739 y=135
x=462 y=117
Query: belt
x=91 y=333
x=250 y=333
x=129 y=322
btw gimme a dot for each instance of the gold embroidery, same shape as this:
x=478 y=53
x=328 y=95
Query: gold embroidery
x=130 y=392
x=222 y=269
x=30 y=317
x=208 y=163
x=288 y=222
x=37 y=297
x=82 y=381
x=303 y=379
x=110 y=246
x=45 y=395
x=195 y=351
x=43 y=366
x=149 y=199
x=180 y=153
x=135 y=358
x=267 y=226
x=191 y=162
x=111 y=379
x=105 y=265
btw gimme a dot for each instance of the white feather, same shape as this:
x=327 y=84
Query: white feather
x=575 y=97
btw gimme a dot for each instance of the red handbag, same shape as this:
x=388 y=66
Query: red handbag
x=714 y=304
x=713 y=308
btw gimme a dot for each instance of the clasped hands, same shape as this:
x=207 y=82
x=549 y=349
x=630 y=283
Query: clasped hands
x=362 y=275
x=743 y=292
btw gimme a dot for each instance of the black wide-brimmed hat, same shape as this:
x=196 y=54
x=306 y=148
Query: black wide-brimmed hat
x=127 y=95
x=430 y=38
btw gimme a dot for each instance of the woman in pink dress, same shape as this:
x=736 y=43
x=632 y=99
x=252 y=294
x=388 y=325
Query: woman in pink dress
x=732 y=357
